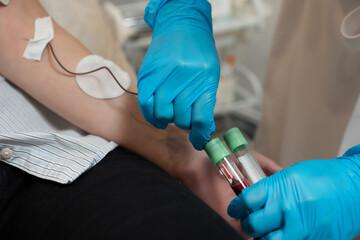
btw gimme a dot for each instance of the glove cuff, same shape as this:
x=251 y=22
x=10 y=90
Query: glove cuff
x=153 y=7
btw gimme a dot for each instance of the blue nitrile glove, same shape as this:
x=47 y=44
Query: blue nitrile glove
x=316 y=199
x=179 y=76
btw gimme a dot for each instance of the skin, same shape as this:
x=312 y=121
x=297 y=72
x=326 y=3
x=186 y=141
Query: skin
x=118 y=120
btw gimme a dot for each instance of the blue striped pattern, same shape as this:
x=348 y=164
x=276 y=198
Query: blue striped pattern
x=44 y=144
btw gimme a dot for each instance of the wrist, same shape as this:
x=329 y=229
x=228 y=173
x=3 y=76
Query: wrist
x=169 y=149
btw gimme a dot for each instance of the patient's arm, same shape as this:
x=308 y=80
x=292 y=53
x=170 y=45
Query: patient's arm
x=117 y=119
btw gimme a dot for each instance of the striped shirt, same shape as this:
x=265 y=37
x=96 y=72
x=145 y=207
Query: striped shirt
x=40 y=142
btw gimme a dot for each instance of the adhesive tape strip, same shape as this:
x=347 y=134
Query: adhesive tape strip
x=44 y=33
x=101 y=84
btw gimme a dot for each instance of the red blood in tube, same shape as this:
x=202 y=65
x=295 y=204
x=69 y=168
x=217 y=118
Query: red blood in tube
x=238 y=188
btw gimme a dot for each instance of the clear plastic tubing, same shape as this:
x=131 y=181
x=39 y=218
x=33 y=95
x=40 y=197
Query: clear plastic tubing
x=246 y=161
x=220 y=157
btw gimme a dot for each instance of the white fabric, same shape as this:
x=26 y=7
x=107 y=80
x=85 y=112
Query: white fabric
x=101 y=84
x=350 y=29
x=44 y=33
x=42 y=143
x=352 y=133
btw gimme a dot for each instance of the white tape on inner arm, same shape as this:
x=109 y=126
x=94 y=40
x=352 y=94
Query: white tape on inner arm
x=44 y=33
x=100 y=84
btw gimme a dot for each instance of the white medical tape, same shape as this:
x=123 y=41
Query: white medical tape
x=101 y=84
x=44 y=33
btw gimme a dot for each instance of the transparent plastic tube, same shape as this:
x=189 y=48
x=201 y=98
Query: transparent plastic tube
x=220 y=157
x=248 y=165
x=230 y=171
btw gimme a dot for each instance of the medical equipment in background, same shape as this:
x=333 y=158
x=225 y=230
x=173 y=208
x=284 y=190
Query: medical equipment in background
x=240 y=90
x=220 y=157
x=248 y=165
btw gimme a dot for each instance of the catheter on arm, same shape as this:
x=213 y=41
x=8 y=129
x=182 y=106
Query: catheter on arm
x=89 y=78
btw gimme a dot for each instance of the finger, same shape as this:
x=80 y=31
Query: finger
x=184 y=102
x=149 y=81
x=182 y=114
x=147 y=109
x=251 y=199
x=202 y=120
x=237 y=208
x=263 y=221
x=255 y=197
x=168 y=91
x=183 y=105
x=275 y=235
x=164 y=110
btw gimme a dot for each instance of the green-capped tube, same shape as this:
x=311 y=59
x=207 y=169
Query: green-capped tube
x=246 y=161
x=220 y=156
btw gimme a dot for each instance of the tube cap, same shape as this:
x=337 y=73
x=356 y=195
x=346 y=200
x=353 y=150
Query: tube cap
x=216 y=150
x=235 y=140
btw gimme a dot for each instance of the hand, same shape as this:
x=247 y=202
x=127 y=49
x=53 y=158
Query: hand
x=203 y=178
x=316 y=199
x=179 y=76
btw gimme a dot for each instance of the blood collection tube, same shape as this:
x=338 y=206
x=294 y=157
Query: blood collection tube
x=220 y=157
x=246 y=161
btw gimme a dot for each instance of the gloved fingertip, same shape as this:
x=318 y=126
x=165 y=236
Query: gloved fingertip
x=236 y=208
x=160 y=125
x=197 y=140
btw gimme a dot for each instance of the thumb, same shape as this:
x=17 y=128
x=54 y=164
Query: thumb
x=251 y=199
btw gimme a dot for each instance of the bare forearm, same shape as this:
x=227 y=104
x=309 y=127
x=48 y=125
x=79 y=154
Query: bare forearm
x=118 y=119
x=44 y=80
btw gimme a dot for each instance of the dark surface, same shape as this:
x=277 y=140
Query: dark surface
x=122 y=197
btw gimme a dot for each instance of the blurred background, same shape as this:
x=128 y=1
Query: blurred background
x=243 y=31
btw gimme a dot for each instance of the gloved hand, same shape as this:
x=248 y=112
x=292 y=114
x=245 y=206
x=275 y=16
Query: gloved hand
x=316 y=199
x=179 y=76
